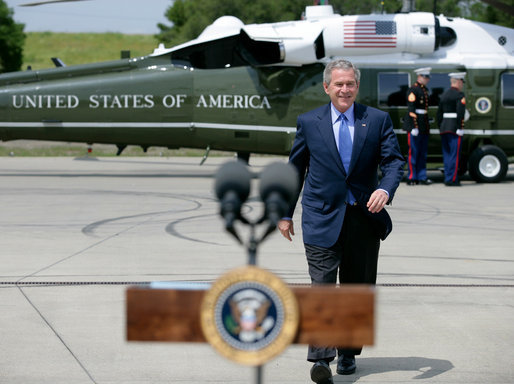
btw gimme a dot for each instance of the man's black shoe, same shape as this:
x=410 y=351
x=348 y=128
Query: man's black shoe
x=346 y=365
x=412 y=182
x=321 y=373
x=425 y=182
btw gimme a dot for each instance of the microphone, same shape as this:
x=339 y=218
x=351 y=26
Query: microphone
x=232 y=188
x=278 y=190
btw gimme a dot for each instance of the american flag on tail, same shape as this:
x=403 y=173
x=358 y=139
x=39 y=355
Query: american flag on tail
x=369 y=34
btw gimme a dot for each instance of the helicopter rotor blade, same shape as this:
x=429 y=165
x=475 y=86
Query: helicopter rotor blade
x=47 y=2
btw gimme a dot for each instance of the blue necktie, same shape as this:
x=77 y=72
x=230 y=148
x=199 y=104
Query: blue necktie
x=345 y=150
x=345 y=142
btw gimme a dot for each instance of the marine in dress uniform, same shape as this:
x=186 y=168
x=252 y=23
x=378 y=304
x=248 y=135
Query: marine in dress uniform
x=418 y=129
x=450 y=119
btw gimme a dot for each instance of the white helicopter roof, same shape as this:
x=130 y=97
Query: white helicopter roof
x=411 y=38
x=479 y=45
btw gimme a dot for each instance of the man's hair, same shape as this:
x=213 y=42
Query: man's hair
x=345 y=65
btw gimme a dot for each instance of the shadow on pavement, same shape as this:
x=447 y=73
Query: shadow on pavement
x=422 y=367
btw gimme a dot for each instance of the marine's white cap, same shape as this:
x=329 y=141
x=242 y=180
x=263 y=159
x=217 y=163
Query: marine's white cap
x=423 y=71
x=457 y=75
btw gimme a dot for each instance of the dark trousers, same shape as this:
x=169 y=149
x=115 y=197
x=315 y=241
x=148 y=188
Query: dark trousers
x=353 y=258
x=417 y=158
x=451 y=156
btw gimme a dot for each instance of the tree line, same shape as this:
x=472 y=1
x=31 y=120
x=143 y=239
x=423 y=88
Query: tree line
x=12 y=39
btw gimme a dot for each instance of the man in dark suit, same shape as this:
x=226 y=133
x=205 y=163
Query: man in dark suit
x=337 y=151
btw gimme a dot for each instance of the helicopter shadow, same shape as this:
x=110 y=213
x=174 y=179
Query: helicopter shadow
x=424 y=368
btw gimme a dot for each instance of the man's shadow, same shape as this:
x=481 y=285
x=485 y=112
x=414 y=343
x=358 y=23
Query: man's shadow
x=423 y=368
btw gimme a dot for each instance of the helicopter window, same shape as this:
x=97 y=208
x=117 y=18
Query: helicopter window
x=508 y=90
x=392 y=89
x=439 y=82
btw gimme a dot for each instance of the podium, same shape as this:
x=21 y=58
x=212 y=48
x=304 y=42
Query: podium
x=250 y=315
x=329 y=316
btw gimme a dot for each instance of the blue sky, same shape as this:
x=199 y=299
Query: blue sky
x=124 y=16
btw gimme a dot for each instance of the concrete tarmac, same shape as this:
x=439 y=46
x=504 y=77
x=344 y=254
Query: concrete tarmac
x=75 y=234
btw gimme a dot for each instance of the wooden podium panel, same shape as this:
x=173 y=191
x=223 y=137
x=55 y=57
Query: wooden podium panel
x=328 y=316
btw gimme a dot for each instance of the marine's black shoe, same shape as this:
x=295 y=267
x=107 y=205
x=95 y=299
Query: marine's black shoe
x=321 y=373
x=346 y=365
x=425 y=182
x=452 y=183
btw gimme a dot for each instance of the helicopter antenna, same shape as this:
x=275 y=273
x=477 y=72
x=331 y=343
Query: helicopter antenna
x=58 y=62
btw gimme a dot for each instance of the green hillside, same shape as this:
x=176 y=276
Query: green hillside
x=81 y=48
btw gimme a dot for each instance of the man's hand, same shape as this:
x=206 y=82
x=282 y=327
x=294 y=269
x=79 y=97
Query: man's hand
x=286 y=228
x=377 y=201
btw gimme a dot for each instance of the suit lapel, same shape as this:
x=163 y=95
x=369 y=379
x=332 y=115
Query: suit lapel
x=327 y=134
x=360 y=133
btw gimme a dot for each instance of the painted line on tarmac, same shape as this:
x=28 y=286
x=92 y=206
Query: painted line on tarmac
x=184 y=284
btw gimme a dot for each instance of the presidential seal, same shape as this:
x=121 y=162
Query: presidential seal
x=249 y=315
x=483 y=105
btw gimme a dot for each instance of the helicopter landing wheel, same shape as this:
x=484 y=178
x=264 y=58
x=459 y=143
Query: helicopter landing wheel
x=488 y=164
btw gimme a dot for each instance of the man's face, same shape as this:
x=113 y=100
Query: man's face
x=423 y=79
x=457 y=84
x=343 y=89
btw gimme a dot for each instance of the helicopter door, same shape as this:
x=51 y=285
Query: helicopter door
x=489 y=98
x=506 y=112
x=482 y=99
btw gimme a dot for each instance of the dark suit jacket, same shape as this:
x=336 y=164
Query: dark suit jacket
x=324 y=180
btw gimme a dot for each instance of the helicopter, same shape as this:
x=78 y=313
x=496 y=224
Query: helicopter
x=240 y=87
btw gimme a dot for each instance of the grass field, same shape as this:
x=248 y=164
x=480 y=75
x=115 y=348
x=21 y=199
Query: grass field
x=81 y=48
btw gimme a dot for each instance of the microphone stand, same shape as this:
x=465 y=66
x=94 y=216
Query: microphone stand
x=251 y=248
x=232 y=187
